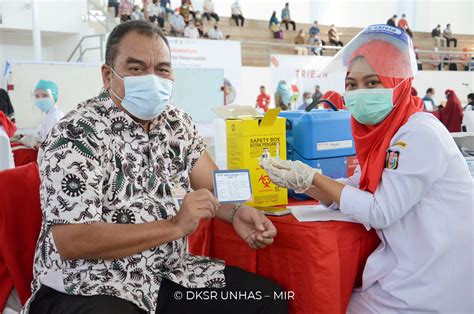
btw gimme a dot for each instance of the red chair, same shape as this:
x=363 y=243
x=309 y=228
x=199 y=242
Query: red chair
x=20 y=223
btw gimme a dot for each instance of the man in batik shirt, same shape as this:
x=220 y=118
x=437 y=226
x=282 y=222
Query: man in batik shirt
x=113 y=237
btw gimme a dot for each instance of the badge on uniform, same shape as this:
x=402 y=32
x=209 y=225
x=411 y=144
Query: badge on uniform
x=391 y=160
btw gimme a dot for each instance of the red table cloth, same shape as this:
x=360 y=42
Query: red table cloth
x=23 y=155
x=320 y=262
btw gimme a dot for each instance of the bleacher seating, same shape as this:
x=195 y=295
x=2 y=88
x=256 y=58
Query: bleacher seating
x=257 y=31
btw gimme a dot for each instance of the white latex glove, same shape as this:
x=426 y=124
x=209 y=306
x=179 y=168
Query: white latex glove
x=30 y=141
x=293 y=175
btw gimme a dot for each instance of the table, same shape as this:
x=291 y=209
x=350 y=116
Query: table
x=23 y=155
x=321 y=262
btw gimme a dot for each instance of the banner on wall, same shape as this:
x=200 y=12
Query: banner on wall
x=300 y=72
x=210 y=54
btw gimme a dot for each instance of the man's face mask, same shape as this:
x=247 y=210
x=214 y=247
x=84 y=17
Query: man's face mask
x=146 y=96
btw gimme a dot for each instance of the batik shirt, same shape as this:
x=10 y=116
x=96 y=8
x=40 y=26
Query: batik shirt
x=100 y=166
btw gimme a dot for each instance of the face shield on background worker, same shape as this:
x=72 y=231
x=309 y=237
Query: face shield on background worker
x=378 y=65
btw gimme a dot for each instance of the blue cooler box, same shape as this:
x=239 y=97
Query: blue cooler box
x=321 y=139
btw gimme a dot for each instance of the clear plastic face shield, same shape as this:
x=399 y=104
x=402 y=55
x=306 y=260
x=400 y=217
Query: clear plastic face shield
x=378 y=49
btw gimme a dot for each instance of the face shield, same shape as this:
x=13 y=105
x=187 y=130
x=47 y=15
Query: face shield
x=387 y=51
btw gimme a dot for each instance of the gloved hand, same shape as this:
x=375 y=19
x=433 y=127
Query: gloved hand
x=293 y=175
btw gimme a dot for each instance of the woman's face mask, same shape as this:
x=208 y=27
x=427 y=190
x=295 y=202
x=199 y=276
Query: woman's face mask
x=370 y=106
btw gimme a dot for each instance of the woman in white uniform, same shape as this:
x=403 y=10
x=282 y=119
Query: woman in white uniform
x=46 y=98
x=413 y=185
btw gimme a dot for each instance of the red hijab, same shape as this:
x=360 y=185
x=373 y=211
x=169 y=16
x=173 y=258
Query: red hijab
x=451 y=115
x=9 y=127
x=372 y=141
x=335 y=98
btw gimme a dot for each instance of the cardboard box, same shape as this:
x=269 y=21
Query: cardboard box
x=247 y=136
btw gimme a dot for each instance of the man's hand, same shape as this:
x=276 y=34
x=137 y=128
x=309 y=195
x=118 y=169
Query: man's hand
x=293 y=175
x=254 y=227
x=196 y=206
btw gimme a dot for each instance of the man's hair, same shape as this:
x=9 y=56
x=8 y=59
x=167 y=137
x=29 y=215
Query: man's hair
x=430 y=90
x=394 y=15
x=470 y=96
x=439 y=25
x=262 y=86
x=307 y=94
x=448 y=25
x=287 y=4
x=403 y=15
x=140 y=27
x=317 y=86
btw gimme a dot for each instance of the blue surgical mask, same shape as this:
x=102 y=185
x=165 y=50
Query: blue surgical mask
x=308 y=101
x=146 y=96
x=44 y=104
x=370 y=106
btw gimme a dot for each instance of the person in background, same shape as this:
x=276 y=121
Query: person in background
x=263 y=99
x=439 y=40
x=314 y=29
x=208 y=9
x=275 y=26
x=236 y=13
x=6 y=105
x=201 y=32
x=317 y=93
x=316 y=45
x=403 y=24
x=300 y=41
x=215 y=33
x=191 y=31
x=155 y=13
x=448 y=35
x=283 y=96
x=7 y=130
x=429 y=98
x=125 y=10
x=307 y=100
x=335 y=98
x=451 y=115
x=435 y=59
x=413 y=185
x=46 y=99
x=115 y=5
x=466 y=58
x=470 y=102
x=177 y=24
x=392 y=21
x=286 y=18
x=166 y=8
x=333 y=36
x=137 y=14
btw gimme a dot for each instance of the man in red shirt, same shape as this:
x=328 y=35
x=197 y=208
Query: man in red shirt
x=403 y=24
x=263 y=99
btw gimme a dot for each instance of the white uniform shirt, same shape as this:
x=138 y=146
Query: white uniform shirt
x=423 y=213
x=6 y=155
x=52 y=117
x=191 y=32
x=235 y=8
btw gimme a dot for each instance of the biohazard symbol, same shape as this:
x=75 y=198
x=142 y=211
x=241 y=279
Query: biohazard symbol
x=265 y=180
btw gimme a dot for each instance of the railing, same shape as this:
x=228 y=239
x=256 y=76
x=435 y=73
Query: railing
x=267 y=49
x=270 y=48
x=98 y=12
x=80 y=48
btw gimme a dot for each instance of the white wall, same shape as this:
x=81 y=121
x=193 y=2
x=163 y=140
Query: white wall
x=252 y=79
x=423 y=15
x=54 y=15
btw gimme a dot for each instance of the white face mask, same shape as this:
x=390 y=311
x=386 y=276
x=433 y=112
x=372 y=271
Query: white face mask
x=146 y=96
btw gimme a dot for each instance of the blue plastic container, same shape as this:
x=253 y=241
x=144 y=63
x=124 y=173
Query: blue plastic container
x=321 y=139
